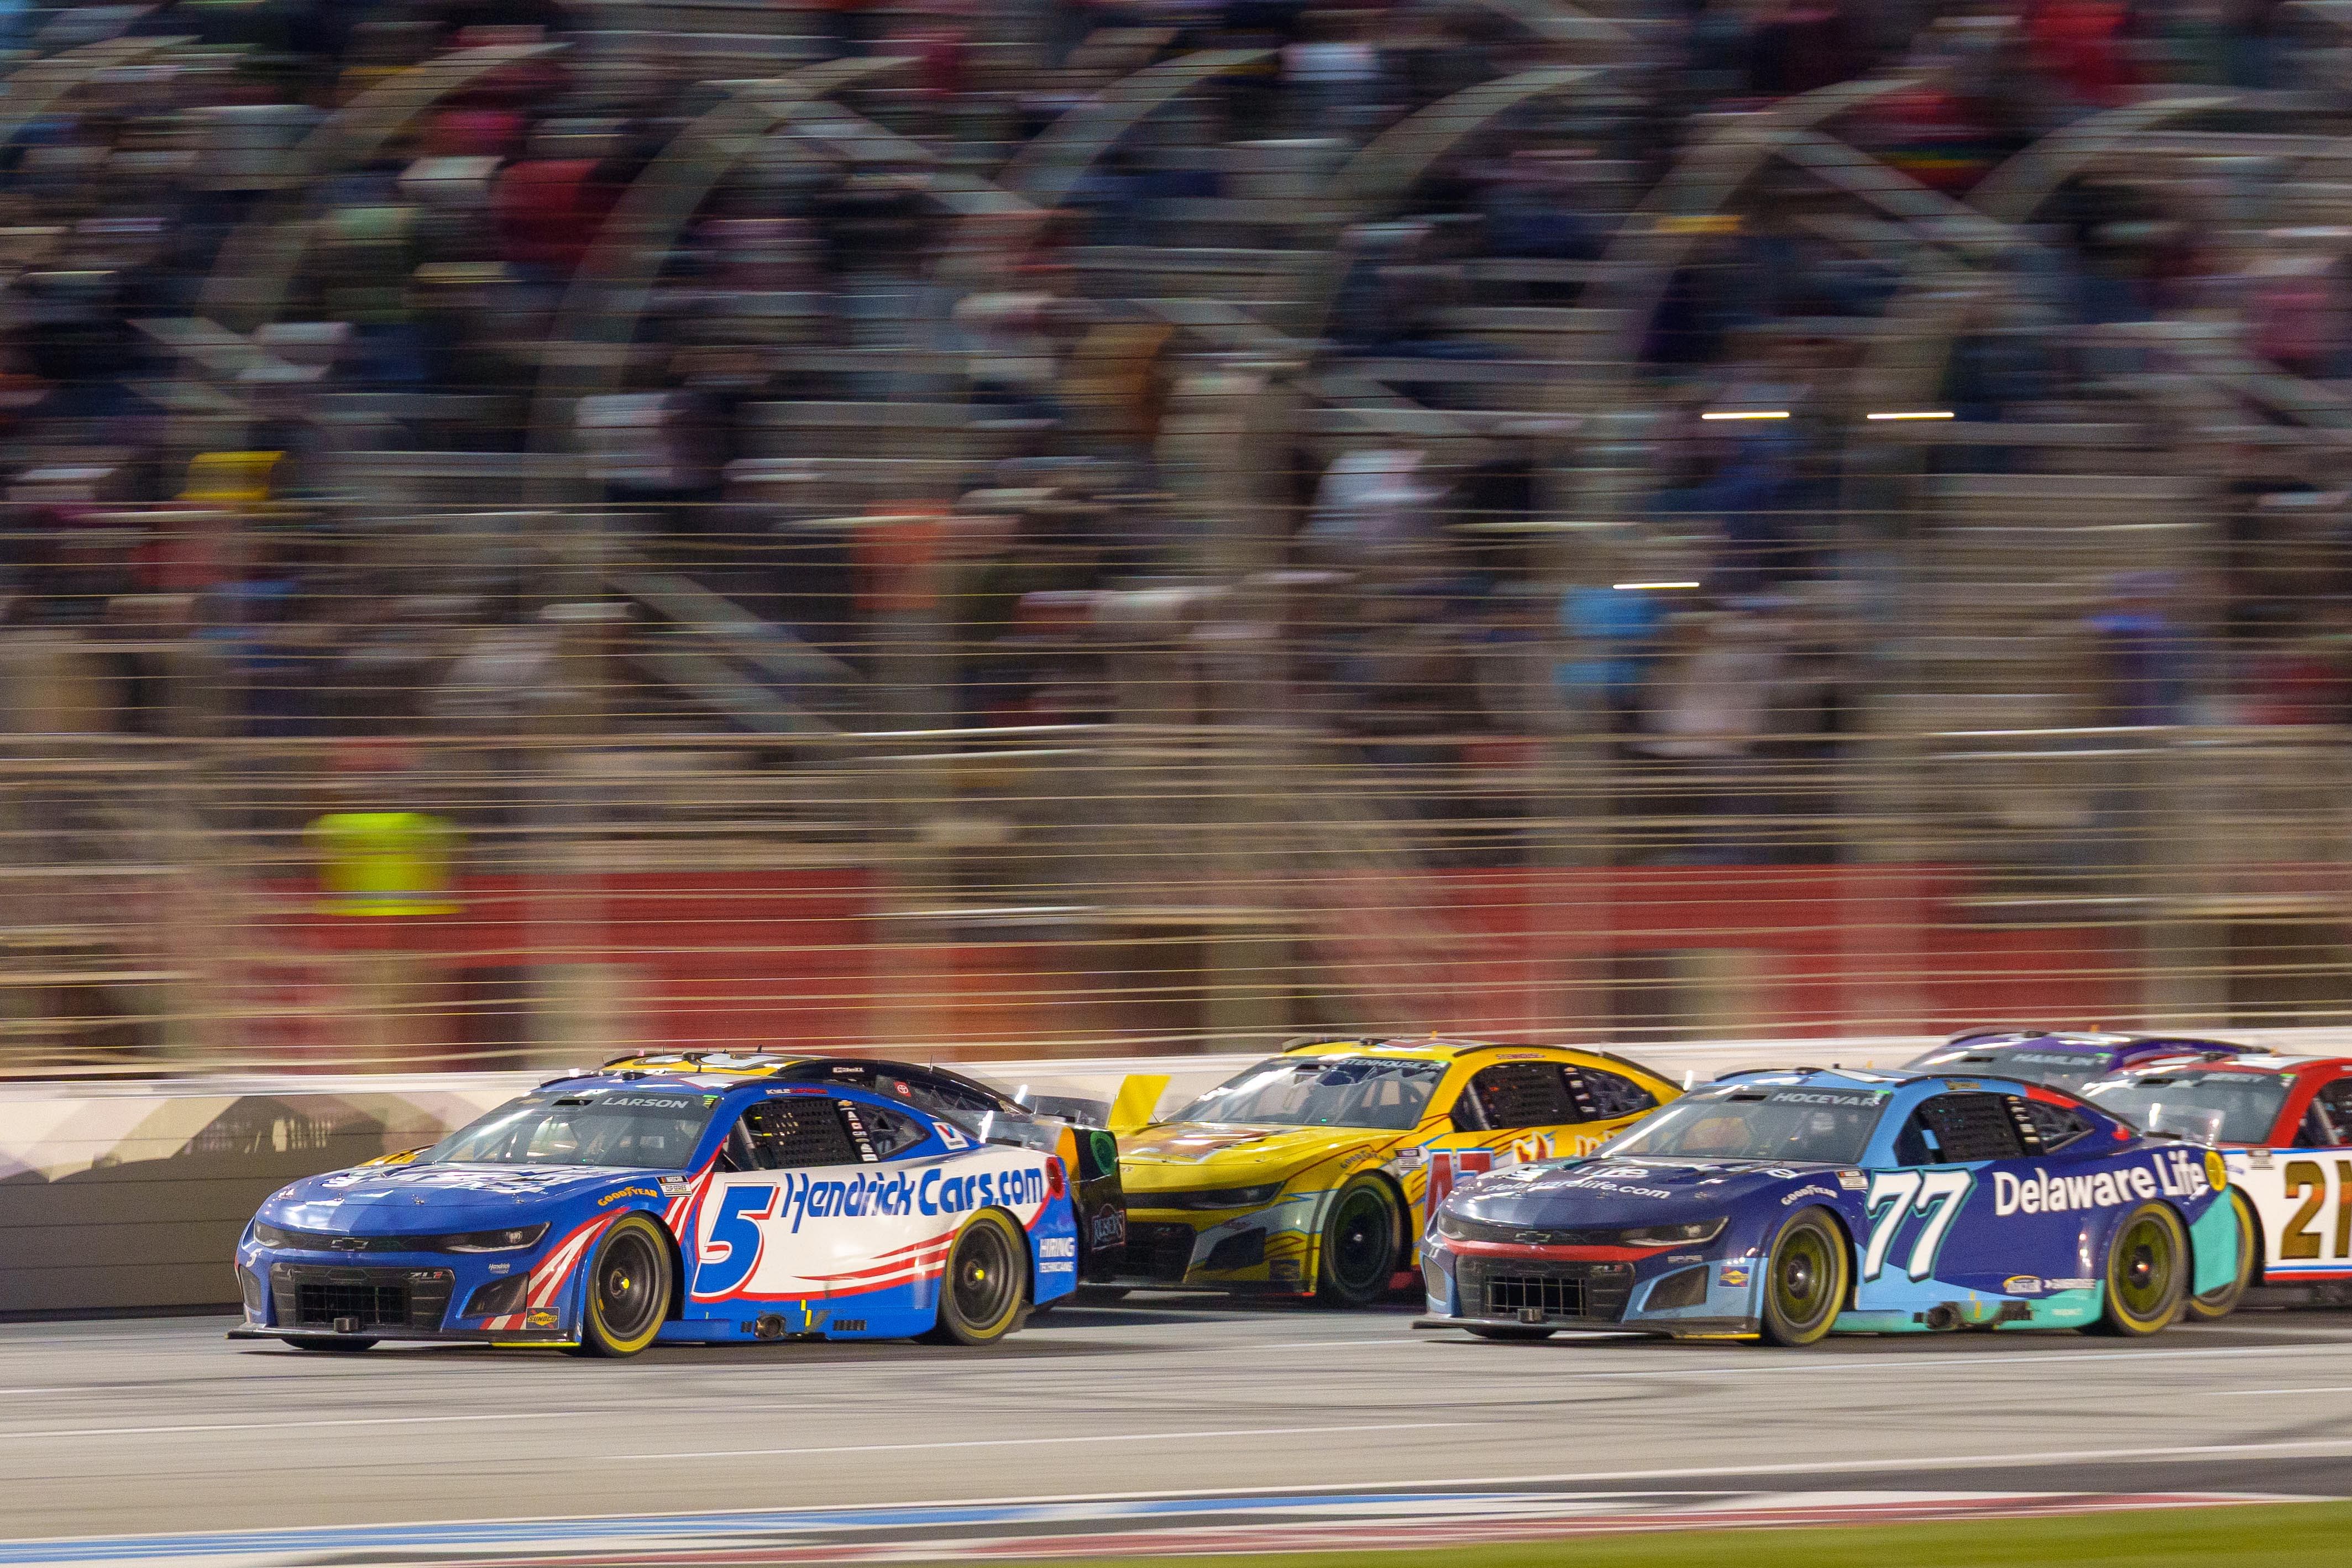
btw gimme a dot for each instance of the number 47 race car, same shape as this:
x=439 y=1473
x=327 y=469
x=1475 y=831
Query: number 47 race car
x=605 y=1211
x=1782 y=1205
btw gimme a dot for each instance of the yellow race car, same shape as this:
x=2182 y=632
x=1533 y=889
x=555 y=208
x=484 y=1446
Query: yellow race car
x=1308 y=1174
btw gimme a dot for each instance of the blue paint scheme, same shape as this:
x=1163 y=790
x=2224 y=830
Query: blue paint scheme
x=2062 y=1060
x=373 y=1208
x=2013 y=1243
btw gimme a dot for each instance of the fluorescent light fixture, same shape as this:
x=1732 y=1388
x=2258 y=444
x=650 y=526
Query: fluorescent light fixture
x=1649 y=587
x=1914 y=414
x=1747 y=413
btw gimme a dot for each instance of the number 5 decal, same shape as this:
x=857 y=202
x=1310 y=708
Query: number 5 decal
x=1936 y=1194
x=733 y=1249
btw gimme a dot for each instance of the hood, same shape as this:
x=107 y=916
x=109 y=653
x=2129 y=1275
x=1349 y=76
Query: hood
x=1196 y=1153
x=1625 y=1192
x=425 y=1200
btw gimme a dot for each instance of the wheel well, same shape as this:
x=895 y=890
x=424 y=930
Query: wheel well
x=676 y=1311
x=1026 y=1248
x=2254 y=1221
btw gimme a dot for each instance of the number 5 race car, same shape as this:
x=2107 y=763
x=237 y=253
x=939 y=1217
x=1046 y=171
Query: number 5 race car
x=604 y=1211
x=1781 y=1206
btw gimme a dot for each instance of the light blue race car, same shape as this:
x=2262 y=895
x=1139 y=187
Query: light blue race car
x=1782 y=1205
x=606 y=1211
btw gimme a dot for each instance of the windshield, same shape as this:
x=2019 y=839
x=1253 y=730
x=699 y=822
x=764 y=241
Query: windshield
x=2246 y=1103
x=2061 y=1069
x=655 y=1129
x=1322 y=1091
x=1828 y=1126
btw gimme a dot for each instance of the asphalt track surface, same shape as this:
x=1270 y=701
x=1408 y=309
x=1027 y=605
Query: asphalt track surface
x=115 y=1428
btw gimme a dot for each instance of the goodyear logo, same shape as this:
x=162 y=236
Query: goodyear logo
x=626 y=1192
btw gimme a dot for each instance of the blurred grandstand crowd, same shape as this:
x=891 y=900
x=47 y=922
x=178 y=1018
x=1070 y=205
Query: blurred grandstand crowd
x=826 y=270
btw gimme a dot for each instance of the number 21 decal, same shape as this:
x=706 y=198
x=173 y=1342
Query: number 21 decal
x=1936 y=1194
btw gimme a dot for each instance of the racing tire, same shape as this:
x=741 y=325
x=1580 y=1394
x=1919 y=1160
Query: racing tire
x=1359 y=1255
x=323 y=1344
x=986 y=1285
x=1509 y=1334
x=2147 y=1275
x=1804 y=1279
x=626 y=1293
x=2222 y=1300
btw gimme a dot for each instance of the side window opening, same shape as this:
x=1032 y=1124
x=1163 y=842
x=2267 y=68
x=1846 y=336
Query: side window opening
x=891 y=1133
x=1613 y=1095
x=2328 y=1124
x=2053 y=1126
x=1525 y=1094
x=1957 y=1129
x=803 y=1131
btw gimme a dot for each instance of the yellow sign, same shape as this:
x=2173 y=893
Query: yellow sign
x=385 y=863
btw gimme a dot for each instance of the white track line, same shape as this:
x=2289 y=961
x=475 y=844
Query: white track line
x=286 y=1426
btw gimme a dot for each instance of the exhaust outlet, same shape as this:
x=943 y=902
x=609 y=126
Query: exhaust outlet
x=768 y=1325
x=1943 y=1317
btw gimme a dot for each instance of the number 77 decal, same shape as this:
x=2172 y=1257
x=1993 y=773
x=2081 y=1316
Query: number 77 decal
x=1936 y=1194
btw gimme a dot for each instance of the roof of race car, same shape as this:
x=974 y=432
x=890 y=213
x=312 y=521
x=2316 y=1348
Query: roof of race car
x=2262 y=1062
x=1439 y=1048
x=2087 y=1043
x=706 y=1064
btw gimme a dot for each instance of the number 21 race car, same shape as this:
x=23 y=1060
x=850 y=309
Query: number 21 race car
x=1782 y=1205
x=605 y=1211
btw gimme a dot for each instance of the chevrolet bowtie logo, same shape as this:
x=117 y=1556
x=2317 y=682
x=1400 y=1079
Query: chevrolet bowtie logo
x=1530 y=1237
x=348 y=1244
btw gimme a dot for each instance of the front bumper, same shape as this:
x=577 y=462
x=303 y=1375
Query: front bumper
x=306 y=1293
x=553 y=1338
x=1678 y=1327
x=1254 y=1251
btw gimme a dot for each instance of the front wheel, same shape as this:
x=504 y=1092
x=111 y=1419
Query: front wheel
x=1360 y=1245
x=987 y=1276
x=628 y=1289
x=2146 y=1273
x=2222 y=1300
x=320 y=1344
x=1804 y=1280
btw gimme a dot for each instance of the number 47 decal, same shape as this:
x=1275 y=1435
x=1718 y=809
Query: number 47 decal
x=1936 y=1194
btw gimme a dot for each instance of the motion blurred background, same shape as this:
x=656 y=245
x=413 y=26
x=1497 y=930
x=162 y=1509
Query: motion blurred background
x=1056 y=529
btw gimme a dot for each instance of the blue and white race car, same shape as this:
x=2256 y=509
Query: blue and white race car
x=2063 y=1059
x=1782 y=1205
x=605 y=1211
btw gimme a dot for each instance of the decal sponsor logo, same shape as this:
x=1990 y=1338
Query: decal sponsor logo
x=1853 y=1181
x=1064 y=1267
x=540 y=1320
x=952 y=1137
x=2171 y=1174
x=1057 y=1247
x=1592 y=1185
x=1110 y=1227
x=2069 y=1284
x=626 y=1192
x=2217 y=1171
x=1830 y=1097
x=655 y=1101
x=501 y=1268
x=1810 y=1189
x=1687 y=1258
x=1733 y=1274
x=2022 y=1285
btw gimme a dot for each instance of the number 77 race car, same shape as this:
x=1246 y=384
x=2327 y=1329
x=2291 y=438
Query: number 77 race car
x=1782 y=1205
x=605 y=1211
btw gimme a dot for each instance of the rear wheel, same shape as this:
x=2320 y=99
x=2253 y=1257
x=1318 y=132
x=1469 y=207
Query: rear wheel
x=1804 y=1280
x=2222 y=1300
x=2148 y=1273
x=1510 y=1333
x=320 y=1344
x=987 y=1277
x=1360 y=1245
x=628 y=1289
